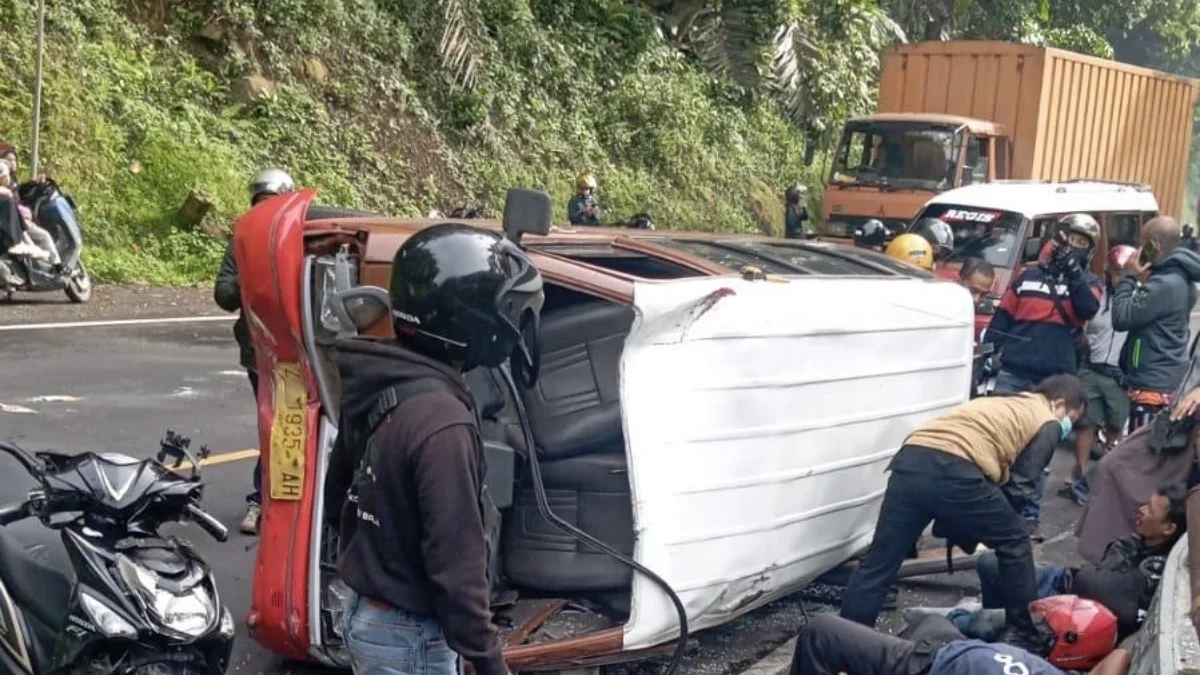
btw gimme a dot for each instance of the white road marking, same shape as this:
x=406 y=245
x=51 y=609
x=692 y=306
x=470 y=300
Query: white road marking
x=185 y=392
x=117 y=322
x=233 y=373
x=9 y=408
x=54 y=398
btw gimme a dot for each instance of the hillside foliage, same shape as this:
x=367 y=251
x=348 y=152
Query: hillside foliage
x=698 y=111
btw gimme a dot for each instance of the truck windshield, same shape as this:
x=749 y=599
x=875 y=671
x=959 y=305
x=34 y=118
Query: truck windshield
x=991 y=234
x=899 y=155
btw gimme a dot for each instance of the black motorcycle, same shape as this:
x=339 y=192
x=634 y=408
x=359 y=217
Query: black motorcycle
x=115 y=596
x=55 y=212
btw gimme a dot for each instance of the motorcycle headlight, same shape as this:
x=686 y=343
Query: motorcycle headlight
x=108 y=621
x=190 y=612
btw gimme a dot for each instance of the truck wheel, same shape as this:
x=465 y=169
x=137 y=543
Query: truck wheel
x=79 y=288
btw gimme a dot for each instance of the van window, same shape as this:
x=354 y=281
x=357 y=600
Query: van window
x=1123 y=229
x=991 y=234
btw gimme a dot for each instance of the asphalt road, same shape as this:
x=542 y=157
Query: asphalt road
x=119 y=388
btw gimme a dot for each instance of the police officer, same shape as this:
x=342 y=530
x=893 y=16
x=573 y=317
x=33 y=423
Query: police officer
x=416 y=528
x=228 y=294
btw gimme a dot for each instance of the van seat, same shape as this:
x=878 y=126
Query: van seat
x=575 y=407
x=575 y=413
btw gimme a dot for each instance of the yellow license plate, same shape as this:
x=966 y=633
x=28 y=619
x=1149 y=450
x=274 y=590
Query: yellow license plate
x=288 y=433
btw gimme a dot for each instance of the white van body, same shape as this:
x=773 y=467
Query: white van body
x=760 y=418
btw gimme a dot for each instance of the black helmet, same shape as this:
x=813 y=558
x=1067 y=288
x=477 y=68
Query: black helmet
x=939 y=235
x=464 y=295
x=641 y=221
x=794 y=193
x=872 y=234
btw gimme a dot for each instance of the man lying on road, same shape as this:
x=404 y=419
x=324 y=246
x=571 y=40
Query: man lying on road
x=830 y=645
x=1127 y=575
x=972 y=470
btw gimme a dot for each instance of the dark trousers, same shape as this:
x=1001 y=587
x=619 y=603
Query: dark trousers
x=925 y=485
x=830 y=645
x=256 y=496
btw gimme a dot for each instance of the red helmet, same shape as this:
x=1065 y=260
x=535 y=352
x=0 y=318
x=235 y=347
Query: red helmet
x=1119 y=255
x=1084 y=630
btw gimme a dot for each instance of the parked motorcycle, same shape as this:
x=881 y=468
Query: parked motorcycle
x=55 y=212
x=120 y=599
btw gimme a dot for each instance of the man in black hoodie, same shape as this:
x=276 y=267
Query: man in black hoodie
x=1156 y=315
x=413 y=546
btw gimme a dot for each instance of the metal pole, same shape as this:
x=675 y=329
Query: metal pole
x=37 y=85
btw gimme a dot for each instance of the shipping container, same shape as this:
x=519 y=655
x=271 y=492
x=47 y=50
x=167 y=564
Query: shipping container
x=1057 y=116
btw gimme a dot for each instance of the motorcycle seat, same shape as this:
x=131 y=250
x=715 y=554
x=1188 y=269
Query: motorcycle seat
x=37 y=587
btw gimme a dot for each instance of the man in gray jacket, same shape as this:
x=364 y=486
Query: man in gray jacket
x=1155 y=313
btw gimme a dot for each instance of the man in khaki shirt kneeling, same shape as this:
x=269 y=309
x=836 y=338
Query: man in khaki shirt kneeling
x=972 y=470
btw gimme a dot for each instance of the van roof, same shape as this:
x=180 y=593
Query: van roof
x=1038 y=198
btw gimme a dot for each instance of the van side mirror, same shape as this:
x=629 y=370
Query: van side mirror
x=360 y=307
x=1033 y=246
x=526 y=212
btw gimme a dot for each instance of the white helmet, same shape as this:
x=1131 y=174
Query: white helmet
x=270 y=182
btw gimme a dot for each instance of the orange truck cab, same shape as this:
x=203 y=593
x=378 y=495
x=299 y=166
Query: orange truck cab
x=1008 y=224
x=956 y=114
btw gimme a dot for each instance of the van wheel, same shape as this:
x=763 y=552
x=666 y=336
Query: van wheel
x=79 y=288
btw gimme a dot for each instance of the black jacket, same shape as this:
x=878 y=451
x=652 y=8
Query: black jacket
x=412 y=529
x=1121 y=581
x=227 y=292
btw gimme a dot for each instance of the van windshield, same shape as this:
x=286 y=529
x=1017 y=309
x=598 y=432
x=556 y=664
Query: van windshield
x=991 y=234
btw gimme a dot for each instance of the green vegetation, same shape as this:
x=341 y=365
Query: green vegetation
x=699 y=112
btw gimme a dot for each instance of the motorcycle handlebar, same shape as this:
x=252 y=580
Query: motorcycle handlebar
x=206 y=521
x=11 y=513
x=31 y=463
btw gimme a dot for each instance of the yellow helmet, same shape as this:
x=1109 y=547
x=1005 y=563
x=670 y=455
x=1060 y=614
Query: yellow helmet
x=585 y=181
x=912 y=249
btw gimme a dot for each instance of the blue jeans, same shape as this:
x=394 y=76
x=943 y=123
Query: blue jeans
x=256 y=496
x=1008 y=383
x=991 y=584
x=391 y=641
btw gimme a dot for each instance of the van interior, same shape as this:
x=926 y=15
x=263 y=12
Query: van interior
x=553 y=586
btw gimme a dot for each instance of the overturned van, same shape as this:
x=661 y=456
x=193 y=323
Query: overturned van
x=718 y=409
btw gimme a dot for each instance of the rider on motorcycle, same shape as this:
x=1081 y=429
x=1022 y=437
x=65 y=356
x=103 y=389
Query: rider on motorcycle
x=26 y=238
x=583 y=209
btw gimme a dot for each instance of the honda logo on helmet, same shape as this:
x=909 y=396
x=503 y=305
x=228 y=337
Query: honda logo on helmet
x=405 y=316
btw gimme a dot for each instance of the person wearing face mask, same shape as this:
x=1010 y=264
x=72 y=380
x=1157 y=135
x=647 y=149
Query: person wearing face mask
x=972 y=471
x=1153 y=303
x=1037 y=324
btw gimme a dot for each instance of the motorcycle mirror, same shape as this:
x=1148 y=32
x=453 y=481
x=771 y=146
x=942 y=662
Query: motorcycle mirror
x=176 y=446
